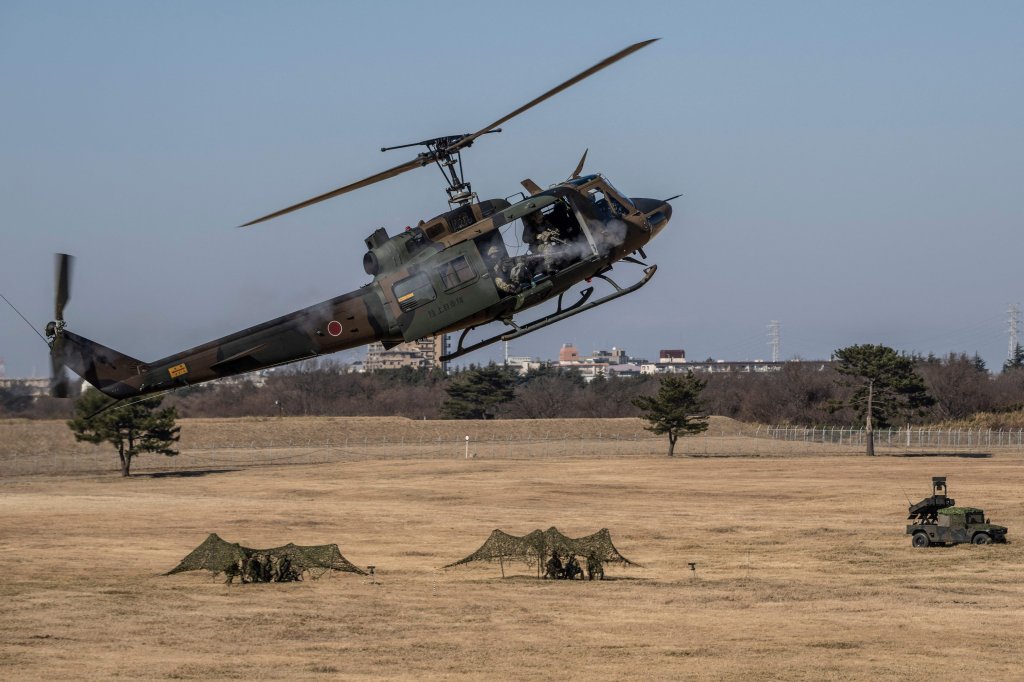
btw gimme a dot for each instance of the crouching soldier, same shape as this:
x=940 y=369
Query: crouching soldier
x=572 y=569
x=235 y=570
x=287 y=572
x=554 y=567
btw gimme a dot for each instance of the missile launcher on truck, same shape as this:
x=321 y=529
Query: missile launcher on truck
x=936 y=520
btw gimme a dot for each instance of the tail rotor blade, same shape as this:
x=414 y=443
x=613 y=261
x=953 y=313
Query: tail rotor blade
x=63 y=265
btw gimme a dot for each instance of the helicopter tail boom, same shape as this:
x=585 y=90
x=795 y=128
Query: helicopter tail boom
x=105 y=368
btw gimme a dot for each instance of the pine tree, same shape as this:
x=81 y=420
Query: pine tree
x=979 y=363
x=676 y=409
x=475 y=393
x=1015 y=362
x=887 y=384
x=132 y=429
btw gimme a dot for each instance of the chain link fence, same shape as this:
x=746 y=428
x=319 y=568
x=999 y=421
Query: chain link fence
x=744 y=441
x=909 y=438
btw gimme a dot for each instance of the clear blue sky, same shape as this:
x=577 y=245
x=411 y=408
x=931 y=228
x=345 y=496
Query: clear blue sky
x=853 y=170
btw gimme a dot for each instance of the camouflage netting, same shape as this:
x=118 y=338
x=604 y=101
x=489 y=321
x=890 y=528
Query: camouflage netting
x=537 y=546
x=960 y=511
x=218 y=556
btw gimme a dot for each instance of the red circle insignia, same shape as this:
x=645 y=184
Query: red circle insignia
x=334 y=328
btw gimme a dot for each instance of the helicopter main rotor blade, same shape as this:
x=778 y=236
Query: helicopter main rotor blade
x=468 y=139
x=461 y=142
x=421 y=160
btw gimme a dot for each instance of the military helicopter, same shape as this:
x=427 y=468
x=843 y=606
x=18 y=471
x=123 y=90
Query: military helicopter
x=451 y=273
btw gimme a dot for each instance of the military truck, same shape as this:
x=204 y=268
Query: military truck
x=936 y=520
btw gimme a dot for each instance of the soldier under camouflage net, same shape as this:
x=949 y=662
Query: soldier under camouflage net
x=572 y=569
x=235 y=570
x=544 y=550
x=554 y=569
x=278 y=564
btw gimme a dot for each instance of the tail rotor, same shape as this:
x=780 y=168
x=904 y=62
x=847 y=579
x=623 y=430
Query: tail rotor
x=63 y=264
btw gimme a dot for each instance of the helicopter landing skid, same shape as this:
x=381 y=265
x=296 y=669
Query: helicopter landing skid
x=519 y=330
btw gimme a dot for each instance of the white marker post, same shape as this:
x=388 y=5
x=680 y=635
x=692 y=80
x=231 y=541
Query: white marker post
x=467 y=447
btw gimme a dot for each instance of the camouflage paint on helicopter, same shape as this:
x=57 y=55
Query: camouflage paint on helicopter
x=450 y=273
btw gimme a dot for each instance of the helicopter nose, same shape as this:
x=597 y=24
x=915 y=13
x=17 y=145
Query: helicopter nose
x=657 y=212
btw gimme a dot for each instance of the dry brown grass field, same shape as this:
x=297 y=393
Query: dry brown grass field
x=803 y=569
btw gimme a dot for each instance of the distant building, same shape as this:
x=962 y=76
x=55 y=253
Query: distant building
x=616 y=363
x=33 y=387
x=603 y=363
x=615 y=356
x=422 y=354
x=568 y=354
x=671 y=356
x=524 y=364
x=711 y=366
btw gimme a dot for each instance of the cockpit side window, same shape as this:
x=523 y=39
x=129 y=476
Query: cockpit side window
x=414 y=291
x=455 y=272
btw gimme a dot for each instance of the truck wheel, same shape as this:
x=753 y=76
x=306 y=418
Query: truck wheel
x=921 y=540
x=982 y=539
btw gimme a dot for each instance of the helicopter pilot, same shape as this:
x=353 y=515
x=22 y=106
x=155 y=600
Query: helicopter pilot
x=548 y=235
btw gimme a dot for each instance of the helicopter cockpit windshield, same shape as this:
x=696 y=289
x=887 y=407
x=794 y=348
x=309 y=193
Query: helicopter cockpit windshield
x=609 y=202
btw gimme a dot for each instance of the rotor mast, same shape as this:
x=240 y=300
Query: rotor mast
x=446 y=152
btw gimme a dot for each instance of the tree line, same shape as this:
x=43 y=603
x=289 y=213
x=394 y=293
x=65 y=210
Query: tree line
x=873 y=383
x=804 y=393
